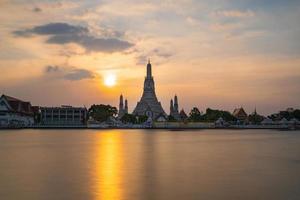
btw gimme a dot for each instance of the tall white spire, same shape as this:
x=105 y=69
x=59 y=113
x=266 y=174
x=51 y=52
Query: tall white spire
x=149 y=105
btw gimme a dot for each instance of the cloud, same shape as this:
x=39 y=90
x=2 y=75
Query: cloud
x=50 y=69
x=91 y=43
x=68 y=73
x=234 y=13
x=63 y=33
x=37 y=9
x=53 y=29
x=162 y=53
x=159 y=55
x=79 y=74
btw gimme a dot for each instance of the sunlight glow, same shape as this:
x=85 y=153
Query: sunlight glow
x=110 y=80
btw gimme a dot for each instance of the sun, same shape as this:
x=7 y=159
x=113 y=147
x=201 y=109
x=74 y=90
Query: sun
x=110 y=80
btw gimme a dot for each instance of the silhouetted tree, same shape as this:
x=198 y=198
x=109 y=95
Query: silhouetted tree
x=141 y=119
x=296 y=114
x=286 y=114
x=195 y=115
x=129 y=118
x=171 y=119
x=213 y=115
x=102 y=112
x=255 y=118
x=134 y=119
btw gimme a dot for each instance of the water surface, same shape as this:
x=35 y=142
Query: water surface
x=149 y=164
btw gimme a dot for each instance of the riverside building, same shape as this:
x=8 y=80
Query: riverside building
x=15 y=112
x=63 y=116
x=240 y=114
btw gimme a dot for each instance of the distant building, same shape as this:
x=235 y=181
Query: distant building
x=161 y=118
x=240 y=114
x=149 y=105
x=267 y=121
x=220 y=122
x=15 y=112
x=183 y=115
x=174 y=109
x=64 y=115
x=122 y=109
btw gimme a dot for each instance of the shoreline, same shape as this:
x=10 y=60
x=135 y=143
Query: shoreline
x=154 y=128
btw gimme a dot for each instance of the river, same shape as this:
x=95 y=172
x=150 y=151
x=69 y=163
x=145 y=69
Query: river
x=149 y=164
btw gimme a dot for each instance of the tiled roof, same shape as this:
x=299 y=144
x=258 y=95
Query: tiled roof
x=183 y=114
x=240 y=113
x=8 y=98
x=18 y=105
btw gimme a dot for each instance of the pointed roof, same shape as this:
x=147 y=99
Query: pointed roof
x=17 y=105
x=9 y=98
x=240 y=113
x=161 y=115
x=283 y=121
x=182 y=114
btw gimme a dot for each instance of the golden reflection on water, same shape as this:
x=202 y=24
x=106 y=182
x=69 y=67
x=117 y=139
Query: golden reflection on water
x=108 y=166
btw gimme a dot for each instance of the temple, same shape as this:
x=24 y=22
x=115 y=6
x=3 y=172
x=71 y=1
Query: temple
x=174 y=111
x=149 y=105
x=122 y=109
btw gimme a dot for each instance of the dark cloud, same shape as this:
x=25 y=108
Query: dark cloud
x=37 y=9
x=50 y=69
x=91 y=43
x=63 y=33
x=53 y=29
x=68 y=73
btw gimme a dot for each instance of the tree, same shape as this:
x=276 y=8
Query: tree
x=102 y=112
x=286 y=114
x=171 y=119
x=134 y=119
x=195 y=115
x=296 y=114
x=255 y=118
x=141 y=119
x=129 y=118
x=213 y=115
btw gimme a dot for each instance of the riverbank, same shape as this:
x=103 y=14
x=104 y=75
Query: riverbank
x=234 y=127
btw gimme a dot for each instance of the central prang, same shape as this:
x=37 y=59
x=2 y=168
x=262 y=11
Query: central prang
x=149 y=105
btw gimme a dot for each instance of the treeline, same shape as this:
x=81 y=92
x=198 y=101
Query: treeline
x=210 y=115
x=102 y=113
x=286 y=114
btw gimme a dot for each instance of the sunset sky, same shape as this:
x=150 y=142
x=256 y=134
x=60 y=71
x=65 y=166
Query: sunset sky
x=219 y=53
